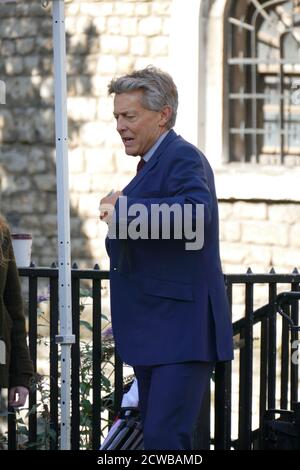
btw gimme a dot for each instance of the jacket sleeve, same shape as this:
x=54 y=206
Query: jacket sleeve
x=21 y=367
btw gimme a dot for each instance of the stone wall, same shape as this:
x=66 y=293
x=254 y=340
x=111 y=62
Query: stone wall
x=104 y=39
x=260 y=235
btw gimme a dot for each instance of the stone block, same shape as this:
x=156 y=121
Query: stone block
x=105 y=109
x=129 y=26
x=45 y=182
x=284 y=213
x=88 y=205
x=159 y=46
x=166 y=29
x=29 y=202
x=264 y=233
x=18 y=27
x=138 y=46
x=286 y=257
x=233 y=252
x=225 y=210
x=114 y=25
x=14 y=159
x=82 y=109
x=231 y=230
x=107 y=64
x=80 y=85
x=83 y=24
x=248 y=211
x=72 y=9
x=31 y=9
x=8 y=10
x=44 y=125
x=76 y=160
x=142 y=9
x=98 y=9
x=93 y=134
x=8 y=48
x=261 y=255
x=25 y=45
x=47 y=90
x=124 y=8
x=75 y=65
x=37 y=160
x=25 y=126
x=14 y=65
x=20 y=91
x=161 y=7
x=31 y=65
x=114 y=44
x=90 y=228
x=99 y=85
x=150 y=26
x=49 y=225
x=125 y=65
x=8 y=131
x=77 y=44
x=97 y=162
x=99 y=25
x=45 y=27
x=79 y=183
x=295 y=236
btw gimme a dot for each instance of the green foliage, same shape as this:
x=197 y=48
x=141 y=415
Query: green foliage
x=46 y=436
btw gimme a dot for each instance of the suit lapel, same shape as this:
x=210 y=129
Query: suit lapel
x=151 y=163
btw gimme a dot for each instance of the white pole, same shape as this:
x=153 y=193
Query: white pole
x=65 y=338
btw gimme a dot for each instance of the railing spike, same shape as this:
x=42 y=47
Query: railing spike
x=97 y=266
x=74 y=266
x=53 y=265
x=295 y=271
x=272 y=270
x=249 y=271
x=32 y=264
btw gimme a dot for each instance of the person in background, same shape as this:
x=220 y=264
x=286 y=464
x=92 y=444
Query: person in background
x=16 y=368
x=170 y=314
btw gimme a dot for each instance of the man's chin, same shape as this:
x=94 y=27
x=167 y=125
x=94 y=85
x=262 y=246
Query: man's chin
x=131 y=152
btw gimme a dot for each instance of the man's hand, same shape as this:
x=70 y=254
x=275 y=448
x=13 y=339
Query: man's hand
x=107 y=205
x=17 y=396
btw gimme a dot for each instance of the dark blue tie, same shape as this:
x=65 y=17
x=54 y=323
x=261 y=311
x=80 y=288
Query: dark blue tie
x=140 y=165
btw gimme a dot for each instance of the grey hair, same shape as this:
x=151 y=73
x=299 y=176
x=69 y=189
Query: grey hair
x=159 y=89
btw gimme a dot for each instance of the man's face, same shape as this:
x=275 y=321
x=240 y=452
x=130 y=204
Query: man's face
x=138 y=127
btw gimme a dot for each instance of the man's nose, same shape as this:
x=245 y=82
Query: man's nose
x=120 y=124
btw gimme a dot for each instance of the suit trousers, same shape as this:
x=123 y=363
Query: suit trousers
x=170 y=397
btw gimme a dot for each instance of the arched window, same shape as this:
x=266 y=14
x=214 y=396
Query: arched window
x=263 y=81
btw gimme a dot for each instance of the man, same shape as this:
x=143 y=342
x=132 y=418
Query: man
x=169 y=308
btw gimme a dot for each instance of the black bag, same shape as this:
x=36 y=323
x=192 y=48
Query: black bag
x=126 y=433
x=283 y=432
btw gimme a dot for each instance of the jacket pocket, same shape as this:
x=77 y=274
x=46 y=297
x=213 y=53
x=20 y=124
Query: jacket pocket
x=168 y=289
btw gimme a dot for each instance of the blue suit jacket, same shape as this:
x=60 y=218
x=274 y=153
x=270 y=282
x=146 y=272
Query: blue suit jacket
x=169 y=304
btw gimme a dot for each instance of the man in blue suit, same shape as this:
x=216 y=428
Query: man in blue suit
x=169 y=308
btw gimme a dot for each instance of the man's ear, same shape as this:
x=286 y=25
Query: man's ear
x=166 y=114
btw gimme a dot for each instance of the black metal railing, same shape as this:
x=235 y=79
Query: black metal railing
x=273 y=368
x=233 y=402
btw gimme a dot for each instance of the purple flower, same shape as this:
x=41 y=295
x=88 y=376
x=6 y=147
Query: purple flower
x=42 y=298
x=107 y=334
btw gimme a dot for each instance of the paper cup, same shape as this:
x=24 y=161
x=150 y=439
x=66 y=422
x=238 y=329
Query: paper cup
x=22 y=243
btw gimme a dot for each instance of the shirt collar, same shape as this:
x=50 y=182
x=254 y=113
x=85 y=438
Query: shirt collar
x=151 y=151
